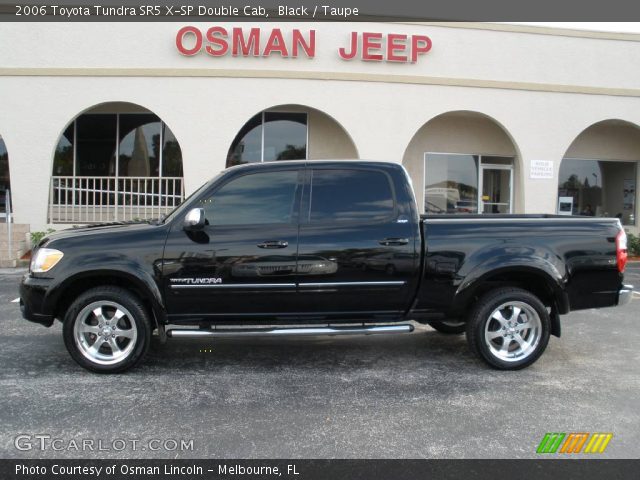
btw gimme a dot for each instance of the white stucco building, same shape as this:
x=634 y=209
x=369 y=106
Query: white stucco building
x=104 y=121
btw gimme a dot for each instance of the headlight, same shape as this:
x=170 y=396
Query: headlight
x=45 y=259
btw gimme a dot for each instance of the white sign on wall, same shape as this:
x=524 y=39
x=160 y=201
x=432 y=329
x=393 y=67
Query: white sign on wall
x=565 y=206
x=541 y=169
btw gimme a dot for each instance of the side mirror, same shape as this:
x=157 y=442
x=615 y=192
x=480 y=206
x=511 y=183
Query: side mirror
x=194 y=220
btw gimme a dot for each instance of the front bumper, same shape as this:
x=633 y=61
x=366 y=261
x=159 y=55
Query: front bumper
x=625 y=294
x=32 y=300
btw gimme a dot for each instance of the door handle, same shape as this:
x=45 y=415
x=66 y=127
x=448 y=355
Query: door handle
x=274 y=244
x=393 y=241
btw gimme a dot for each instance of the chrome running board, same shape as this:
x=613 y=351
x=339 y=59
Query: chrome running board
x=292 y=332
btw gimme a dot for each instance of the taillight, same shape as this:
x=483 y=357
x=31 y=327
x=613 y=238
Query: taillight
x=621 y=250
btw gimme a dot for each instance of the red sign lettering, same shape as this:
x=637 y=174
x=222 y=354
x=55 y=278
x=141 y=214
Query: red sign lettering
x=366 y=46
x=180 y=39
x=395 y=47
x=246 y=44
x=250 y=47
x=371 y=42
x=216 y=36
x=354 y=48
x=419 y=44
x=275 y=44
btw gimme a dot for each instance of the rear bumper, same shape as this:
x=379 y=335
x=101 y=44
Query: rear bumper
x=32 y=300
x=625 y=294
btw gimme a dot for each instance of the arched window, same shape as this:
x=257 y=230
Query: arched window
x=598 y=174
x=464 y=162
x=270 y=136
x=112 y=165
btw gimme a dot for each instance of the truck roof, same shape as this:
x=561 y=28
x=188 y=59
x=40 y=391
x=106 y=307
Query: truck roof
x=337 y=163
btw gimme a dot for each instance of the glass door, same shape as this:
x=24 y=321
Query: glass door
x=495 y=189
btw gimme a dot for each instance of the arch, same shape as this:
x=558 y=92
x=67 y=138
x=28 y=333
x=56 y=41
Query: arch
x=290 y=132
x=598 y=173
x=5 y=178
x=613 y=139
x=473 y=138
x=115 y=161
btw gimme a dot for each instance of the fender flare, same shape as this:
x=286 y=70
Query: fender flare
x=543 y=270
x=142 y=280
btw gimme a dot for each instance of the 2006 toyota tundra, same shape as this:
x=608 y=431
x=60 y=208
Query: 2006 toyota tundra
x=324 y=247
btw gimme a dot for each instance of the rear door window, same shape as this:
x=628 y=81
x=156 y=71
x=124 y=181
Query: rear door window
x=350 y=195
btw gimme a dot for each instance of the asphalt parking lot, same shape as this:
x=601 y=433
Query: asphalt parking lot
x=421 y=395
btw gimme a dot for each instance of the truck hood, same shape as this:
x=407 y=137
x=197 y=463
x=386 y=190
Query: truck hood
x=98 y=230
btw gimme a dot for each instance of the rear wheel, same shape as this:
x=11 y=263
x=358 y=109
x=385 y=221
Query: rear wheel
x=509 y=328
x=107 y=330
x=450 y=327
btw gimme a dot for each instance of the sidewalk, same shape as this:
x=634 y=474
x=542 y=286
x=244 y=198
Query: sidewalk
x=13 y=271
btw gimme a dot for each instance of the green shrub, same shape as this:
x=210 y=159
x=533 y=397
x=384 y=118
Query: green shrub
x=36 y=237
x=633 y=245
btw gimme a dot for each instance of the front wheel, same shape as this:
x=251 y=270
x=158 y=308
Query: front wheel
x=107 y=330
x=509 y=328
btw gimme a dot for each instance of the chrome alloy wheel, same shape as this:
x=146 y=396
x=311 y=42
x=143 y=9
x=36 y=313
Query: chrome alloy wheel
x=513 y=331
x=105 y=332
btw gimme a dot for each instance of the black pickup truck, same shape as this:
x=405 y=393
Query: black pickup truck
x=315 y=248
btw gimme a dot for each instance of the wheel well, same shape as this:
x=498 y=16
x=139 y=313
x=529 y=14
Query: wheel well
x=81 y=285
x=531 y=282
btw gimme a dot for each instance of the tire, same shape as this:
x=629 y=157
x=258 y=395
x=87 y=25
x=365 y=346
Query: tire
x=450 y=327
x=123 y=329
x=505 y=342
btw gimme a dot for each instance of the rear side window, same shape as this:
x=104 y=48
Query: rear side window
x=343 y=195
x=254 y=199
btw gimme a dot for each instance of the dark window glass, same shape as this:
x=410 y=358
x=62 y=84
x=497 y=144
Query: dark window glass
x=493 y=160
x=581 y=180
x=598 y=188
x=285 y=136
x=63 y=156
x=343 y=195
x=259 y=198
x=171 y=155
x=4 y=175
x=247 y=146
x=96 y=145
x=146 y=174
x=496 y=190
x=451 y=183
x=139 y=148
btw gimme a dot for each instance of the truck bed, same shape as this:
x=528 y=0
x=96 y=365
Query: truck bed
x=571 y=259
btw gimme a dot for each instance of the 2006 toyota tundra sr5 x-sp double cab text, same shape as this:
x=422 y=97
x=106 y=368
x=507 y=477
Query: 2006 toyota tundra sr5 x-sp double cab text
x=321 y=247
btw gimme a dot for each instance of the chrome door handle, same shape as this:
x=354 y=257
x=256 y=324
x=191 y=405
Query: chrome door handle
x=274 y=244
x=393 y=241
